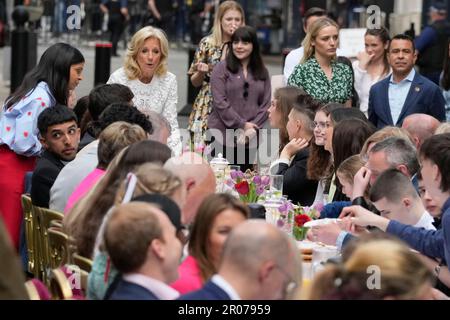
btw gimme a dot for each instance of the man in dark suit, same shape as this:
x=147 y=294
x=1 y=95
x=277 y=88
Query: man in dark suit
x=259 y=262
x=404 y=92
x=59 y=136
x=142 y=244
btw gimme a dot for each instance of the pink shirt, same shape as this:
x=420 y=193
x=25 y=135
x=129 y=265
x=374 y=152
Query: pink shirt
x=190 y=279
x=83 y=188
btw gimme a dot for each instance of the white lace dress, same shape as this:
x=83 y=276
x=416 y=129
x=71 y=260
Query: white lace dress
x=160 y=95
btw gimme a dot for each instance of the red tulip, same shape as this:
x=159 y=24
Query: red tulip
x=242 y=187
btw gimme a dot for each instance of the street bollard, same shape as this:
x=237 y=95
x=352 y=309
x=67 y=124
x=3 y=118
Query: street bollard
x=102 y=62
x=23 y=47
x=192 y=91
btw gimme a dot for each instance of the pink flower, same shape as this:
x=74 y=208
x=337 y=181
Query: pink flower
x=257 y=180
x=265 y=180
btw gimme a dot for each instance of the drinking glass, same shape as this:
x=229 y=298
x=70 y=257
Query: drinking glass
x=276 y=186
x=234 y=168
x=320 y=256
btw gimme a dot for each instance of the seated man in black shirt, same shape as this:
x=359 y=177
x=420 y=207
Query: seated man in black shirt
x=59 y=136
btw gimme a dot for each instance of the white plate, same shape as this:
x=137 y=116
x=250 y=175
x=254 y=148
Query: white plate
x=320 y=222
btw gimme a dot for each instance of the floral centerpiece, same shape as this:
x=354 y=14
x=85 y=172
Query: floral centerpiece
x=249 y=185
x=301 y=216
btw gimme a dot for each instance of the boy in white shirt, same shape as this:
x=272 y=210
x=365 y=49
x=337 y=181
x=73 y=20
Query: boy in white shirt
x=395 y=197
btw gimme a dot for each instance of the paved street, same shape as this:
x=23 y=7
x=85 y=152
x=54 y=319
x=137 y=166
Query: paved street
x=178 y=64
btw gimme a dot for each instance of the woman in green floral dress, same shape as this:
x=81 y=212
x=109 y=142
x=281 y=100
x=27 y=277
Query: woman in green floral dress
x=212 y=49
x=318 y=73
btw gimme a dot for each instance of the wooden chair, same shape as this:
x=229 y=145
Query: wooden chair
x=60 y=288
x=58 y=247
x=68 y=282
x=56 y=224
x=83 y=262
x=44 y=218
x=30 y=236
x=37 y=290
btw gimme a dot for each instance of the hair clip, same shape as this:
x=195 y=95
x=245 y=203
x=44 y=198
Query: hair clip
x=131 y=185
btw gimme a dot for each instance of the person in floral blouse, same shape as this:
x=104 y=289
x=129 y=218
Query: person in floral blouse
x=212 y=49
x=318 y=73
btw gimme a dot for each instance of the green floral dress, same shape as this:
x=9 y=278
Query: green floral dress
x=313 y=80
x=208 y=53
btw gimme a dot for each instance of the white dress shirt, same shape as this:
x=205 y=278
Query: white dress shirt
x=398 y=93
x=425 y=221
x=161 y=290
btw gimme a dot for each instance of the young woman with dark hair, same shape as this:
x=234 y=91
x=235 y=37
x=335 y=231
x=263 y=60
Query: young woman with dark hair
x=48 y=84
x=241 y=90
x=372 y=64
x=319 y=166
x=211 y=50
x=217 y=216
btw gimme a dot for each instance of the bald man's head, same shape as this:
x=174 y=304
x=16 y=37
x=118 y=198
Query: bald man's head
x=198 y=178
x=420 y=126
x=253 y=242
x=261 y=261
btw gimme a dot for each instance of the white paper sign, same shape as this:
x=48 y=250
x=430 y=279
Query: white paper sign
x=351 y=41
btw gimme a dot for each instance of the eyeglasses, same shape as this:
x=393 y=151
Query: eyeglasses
x=246 y=85
x=321 y=125
x=291 y=285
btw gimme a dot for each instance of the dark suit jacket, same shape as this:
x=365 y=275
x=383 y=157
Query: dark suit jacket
x=47 y=169
x=296 y=185
x=124 y=290
x=210 y=291
x=423 y=97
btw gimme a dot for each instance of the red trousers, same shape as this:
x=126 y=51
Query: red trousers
x=12 y=172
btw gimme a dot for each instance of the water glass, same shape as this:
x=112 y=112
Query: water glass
x=276 y=186
x=234 y=167
x=320 y=256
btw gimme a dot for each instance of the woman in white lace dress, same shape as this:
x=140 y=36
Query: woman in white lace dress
x=145 y=73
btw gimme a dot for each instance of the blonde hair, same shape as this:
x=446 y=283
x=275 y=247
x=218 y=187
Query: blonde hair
x=349 y=167
x=402 y=273
x=91 y=209
x=151 y=178
x=380 y=135
x=217 y=26
x=443 y=128
x=313 y=32
x=131 y=66
x=114 y=138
